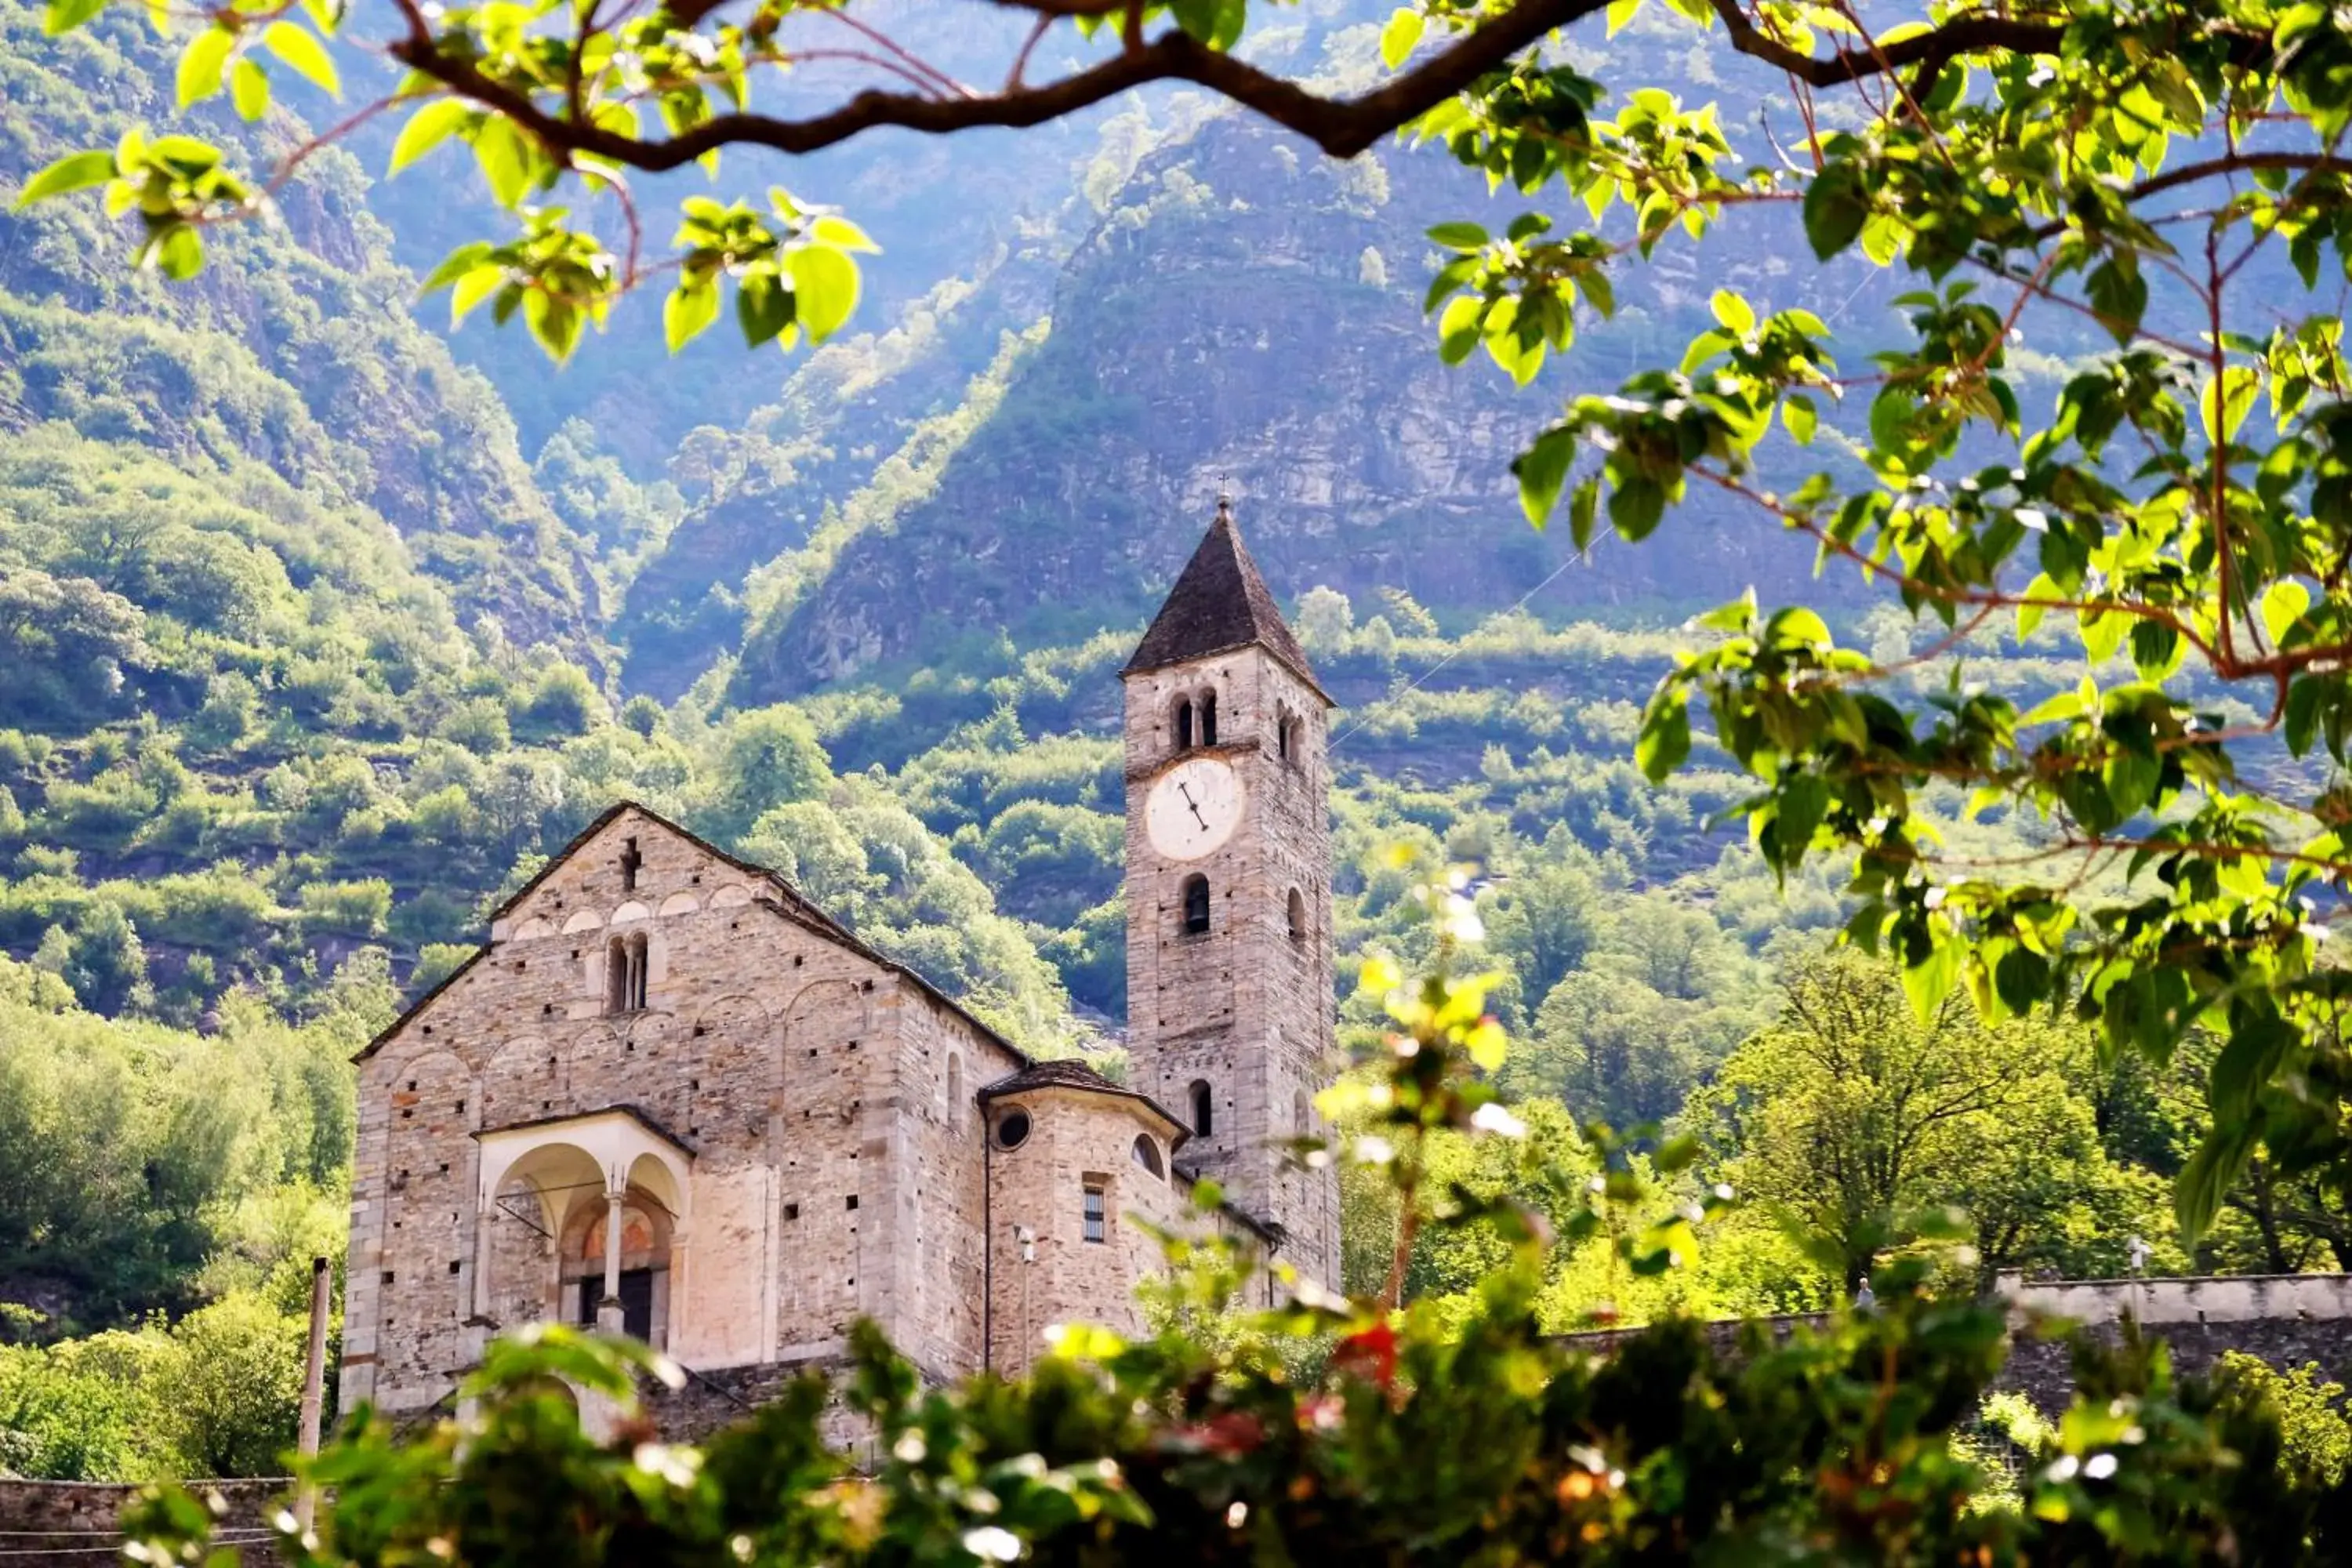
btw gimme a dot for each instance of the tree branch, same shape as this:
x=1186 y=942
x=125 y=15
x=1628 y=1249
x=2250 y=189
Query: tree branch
x=1340 y=127
x=1931 y=51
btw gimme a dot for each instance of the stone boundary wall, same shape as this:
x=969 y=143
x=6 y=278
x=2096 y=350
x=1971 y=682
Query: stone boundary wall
x=69 y=1522
x=2219 y=1298
x=2286 y=1320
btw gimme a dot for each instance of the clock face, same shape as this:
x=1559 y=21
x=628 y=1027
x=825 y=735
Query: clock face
x=1193 y=808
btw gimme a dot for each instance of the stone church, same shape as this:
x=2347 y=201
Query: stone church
x=671 y=1096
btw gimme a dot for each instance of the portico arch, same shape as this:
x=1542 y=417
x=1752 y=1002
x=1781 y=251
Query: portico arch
x=584 y=1220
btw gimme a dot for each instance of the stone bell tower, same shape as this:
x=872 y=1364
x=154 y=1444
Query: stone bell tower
x=1229 y=1013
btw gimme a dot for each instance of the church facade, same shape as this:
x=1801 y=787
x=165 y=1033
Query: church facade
x=671 y=1096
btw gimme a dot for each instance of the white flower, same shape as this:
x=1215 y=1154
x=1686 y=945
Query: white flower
x=1491 y=1117
x=992 y=1544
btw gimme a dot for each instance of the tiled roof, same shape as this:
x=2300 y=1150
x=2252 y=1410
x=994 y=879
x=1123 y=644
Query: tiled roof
x=1065 y=1072
x=1219 y=603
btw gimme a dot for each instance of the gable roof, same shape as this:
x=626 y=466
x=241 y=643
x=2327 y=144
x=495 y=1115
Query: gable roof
x=1220 y=603
x=786 y=901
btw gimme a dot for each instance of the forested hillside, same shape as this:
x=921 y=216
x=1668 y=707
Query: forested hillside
x=321 y=627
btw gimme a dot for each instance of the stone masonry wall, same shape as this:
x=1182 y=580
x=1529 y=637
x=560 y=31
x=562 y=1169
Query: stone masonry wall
x=67 y=1522
x=1075 y=1139
x=1245 y=1007
x=806 y=1080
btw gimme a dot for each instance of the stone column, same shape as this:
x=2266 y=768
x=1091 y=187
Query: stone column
x=608 y=1310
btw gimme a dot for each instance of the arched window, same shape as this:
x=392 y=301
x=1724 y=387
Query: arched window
x=1184 y=724
x=1147 y=1155
x=1281 y=733
x=1298 y=913
x=625 y=973
x=1208 y=718
x=1196 y=905
x=1203 y=1112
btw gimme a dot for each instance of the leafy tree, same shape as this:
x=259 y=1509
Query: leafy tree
x=766 y=758
x=1856 y=1121
x=1325 y=620
x=2072 y=169
x=1544 y=919
x=100 y=957
x=236 y=1398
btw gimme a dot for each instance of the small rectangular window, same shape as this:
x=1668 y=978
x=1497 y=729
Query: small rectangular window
x=1094 y=1213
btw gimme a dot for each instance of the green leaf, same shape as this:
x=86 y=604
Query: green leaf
x=455 y=265
x=303 y=53
x=471 y=289
x=2283 y=605
x=199 y=76
x=74 y=172
x=1797 y=412
x=2308 y=699
x=1217 y=23
x=1460 y=237
x=1676 y=1154
x=1835 y=210
x=179 y=252
x=1542 y=469
x=428 y=129
x=824 y=289
x=2210 y=1172
x=764 y=307
x=1583 y=511
x=1635 y=506
x=689 y=312
x=1734 y=313
x=2223 y=403
x=1665 y=742
x=2246 y=1065
x=1804 y=801
x=1401 y=37
x=1928 y=978
x=248 y=89
x=1458 y=328
x=841 y=233
x=505 y=158
x=64 y=16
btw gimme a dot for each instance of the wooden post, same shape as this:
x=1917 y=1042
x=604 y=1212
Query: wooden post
x=314 y=1380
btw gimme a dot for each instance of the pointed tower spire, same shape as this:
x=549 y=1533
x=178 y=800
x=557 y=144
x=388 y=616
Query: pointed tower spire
x=1219 y=603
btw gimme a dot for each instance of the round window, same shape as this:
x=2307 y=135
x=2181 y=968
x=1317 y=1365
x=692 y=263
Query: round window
x=1013 y=1129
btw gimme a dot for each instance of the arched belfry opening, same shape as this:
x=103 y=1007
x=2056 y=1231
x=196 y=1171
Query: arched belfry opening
x=1296 y=915
x=1183 y=723
x=1204 y=1110
x=1196 y=905
x=1208 y=718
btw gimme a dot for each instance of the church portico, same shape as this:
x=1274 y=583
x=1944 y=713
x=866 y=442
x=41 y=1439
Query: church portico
x=584 y=1220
